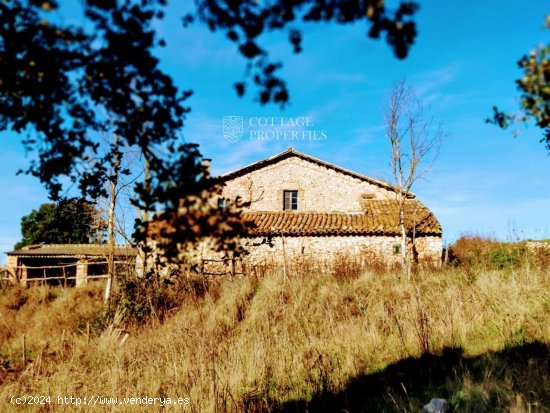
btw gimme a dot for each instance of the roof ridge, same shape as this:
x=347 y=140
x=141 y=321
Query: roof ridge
x=304 y=212
x=71 y=244
x=71 y=249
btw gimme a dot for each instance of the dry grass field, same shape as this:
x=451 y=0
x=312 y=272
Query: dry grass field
x=343 y=340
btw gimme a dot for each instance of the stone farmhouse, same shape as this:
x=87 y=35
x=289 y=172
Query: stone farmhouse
x=304 y=208
x=300 y=209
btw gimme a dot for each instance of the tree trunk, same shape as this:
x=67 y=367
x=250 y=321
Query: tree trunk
x=111 y=220
x=144 y=217
x=404 y=265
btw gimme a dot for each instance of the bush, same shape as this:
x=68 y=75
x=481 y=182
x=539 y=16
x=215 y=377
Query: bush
x=507 y=256
x=475 y=253
x=17 y=298
x=346 y=267
x=153 y=295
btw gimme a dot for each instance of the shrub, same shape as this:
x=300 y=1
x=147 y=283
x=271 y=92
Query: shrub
x=475 y=253
x=507 y=256
x=154 y=295
x=346 y=267
x=17 y=298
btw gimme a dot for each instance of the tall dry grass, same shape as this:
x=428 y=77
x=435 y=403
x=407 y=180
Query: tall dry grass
x=274 y=343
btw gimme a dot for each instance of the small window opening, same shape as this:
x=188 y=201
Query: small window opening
x=290 y=200
x=222 y=203
x=397 y=249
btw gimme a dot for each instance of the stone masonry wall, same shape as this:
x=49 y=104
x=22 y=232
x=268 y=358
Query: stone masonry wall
x=366 y=249
x=429 y=249
x=324 y=252
x=319 y=188
x=11 y=263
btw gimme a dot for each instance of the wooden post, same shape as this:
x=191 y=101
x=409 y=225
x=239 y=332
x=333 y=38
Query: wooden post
x=24 y=275
x=24 y=350
x=215 y=387
x=63 y=342
x=284 y=256
x=64 y=278
x=123 y=340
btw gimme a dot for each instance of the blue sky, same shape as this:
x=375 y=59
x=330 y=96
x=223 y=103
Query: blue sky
x=462 y=64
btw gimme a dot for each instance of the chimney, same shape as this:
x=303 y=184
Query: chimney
x=205 y=163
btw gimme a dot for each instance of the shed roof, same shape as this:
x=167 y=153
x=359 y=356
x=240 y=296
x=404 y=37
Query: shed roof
x=71 y=250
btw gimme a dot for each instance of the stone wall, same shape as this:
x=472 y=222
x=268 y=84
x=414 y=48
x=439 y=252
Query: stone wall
x=81 y=273
x=366 y=249
x=12 y=263
x=429 y=249
x=324 y=251
x=320 y=189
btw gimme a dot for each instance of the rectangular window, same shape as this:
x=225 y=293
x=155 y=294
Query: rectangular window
x=290 y=200
x=397 y=249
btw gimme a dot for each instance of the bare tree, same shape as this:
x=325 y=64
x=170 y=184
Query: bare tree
x=115 y=175
x=415 y=142
x=124 y=169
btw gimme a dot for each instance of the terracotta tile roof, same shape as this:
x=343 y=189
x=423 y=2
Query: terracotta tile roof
x=378 y=218
x=290 y=152
x=71 y=250
x=386 y=214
